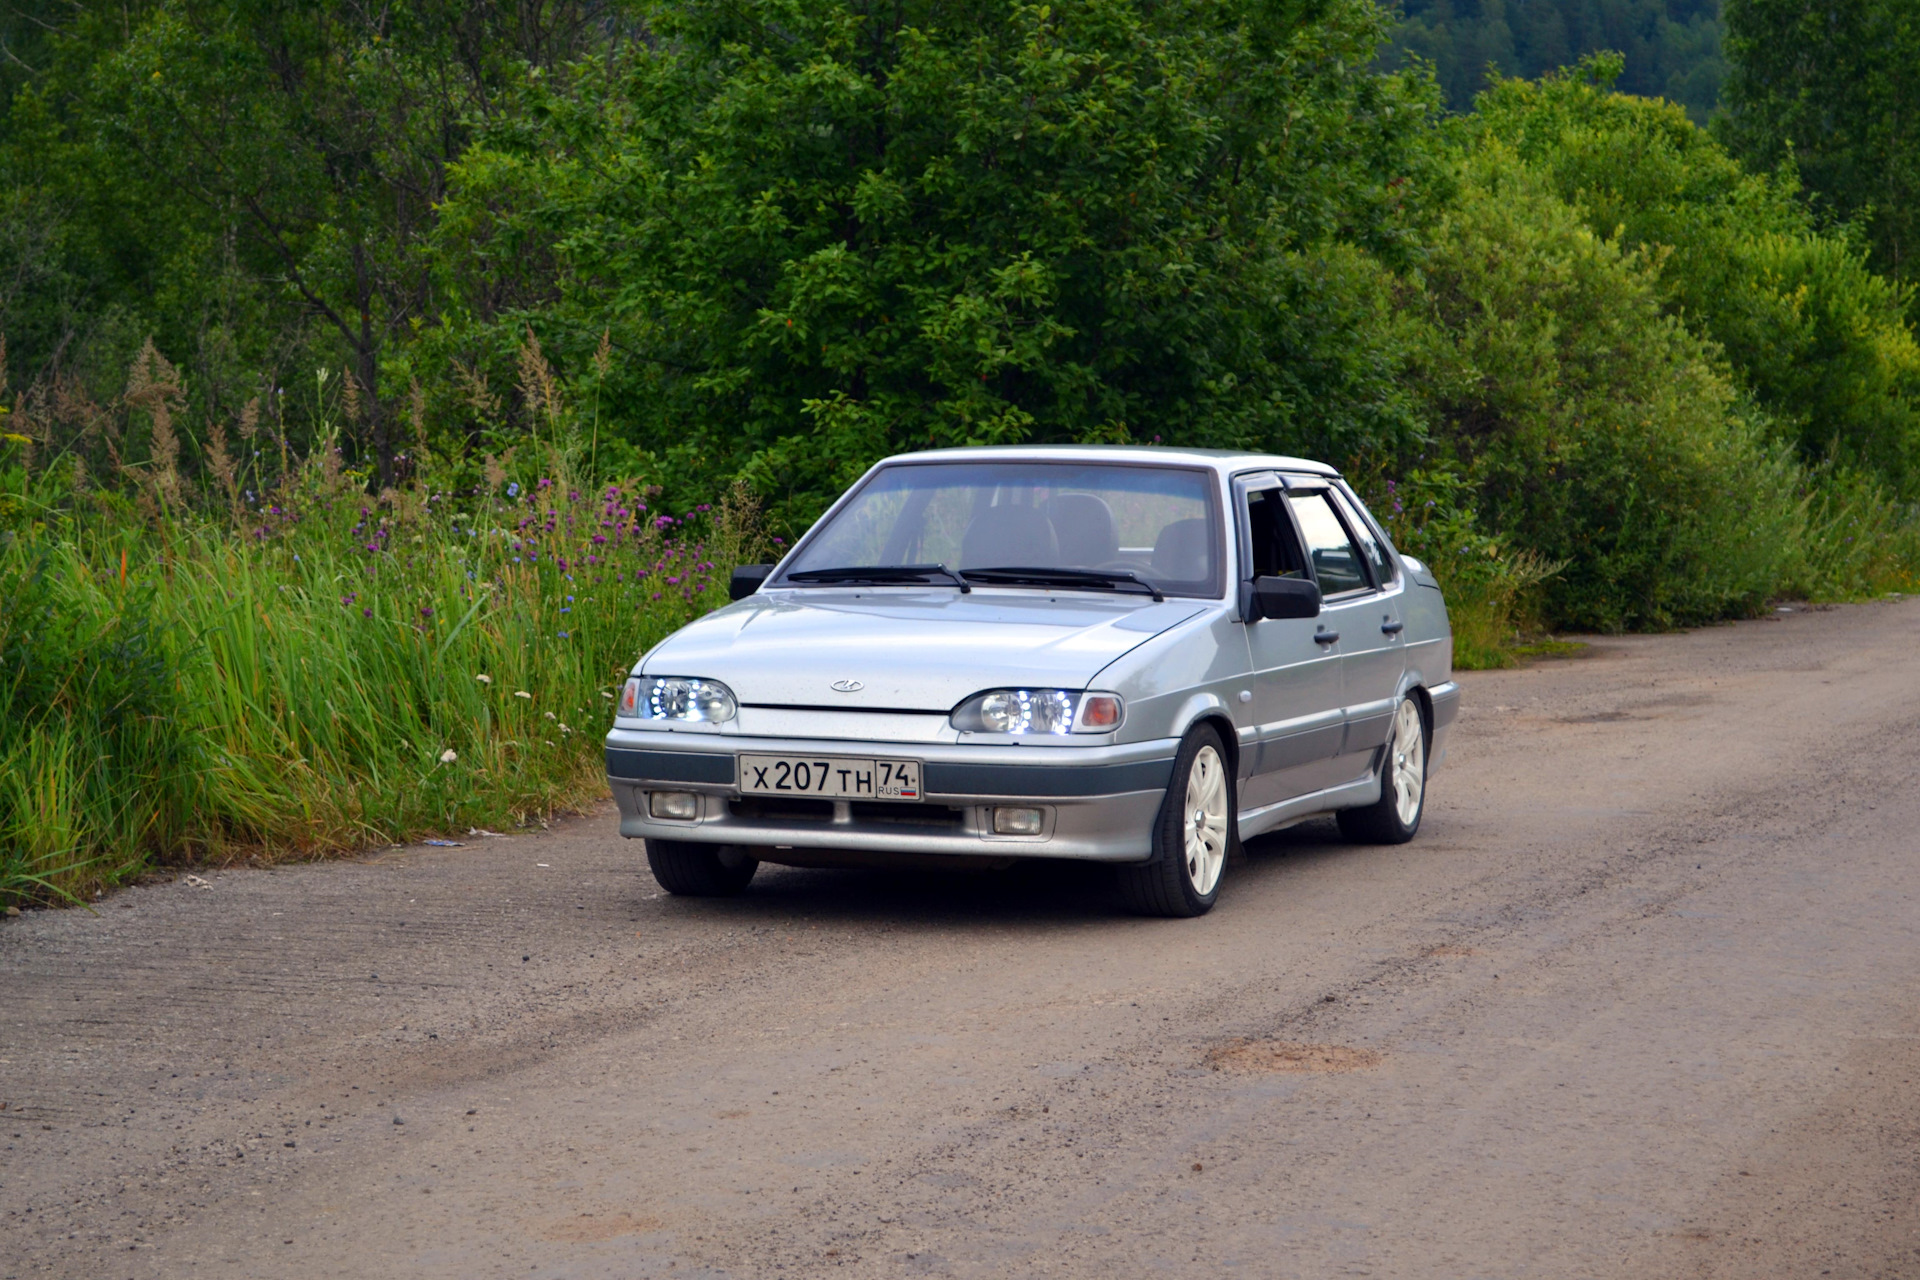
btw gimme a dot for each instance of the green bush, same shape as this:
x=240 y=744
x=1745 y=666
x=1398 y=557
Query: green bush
x=1821 y=342
x=1597 y=429
x=1492 y=588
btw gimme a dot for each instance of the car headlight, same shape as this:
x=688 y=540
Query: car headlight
x=1038 y=711
x=677 y=698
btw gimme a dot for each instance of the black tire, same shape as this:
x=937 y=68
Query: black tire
x=1383 y=822
x=700 y=870
x=1164 y=884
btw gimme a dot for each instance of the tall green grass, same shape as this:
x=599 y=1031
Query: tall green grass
x=328 y=671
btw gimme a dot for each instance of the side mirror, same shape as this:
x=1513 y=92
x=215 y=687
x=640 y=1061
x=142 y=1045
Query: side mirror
x=747 y=579
x=1285 y=598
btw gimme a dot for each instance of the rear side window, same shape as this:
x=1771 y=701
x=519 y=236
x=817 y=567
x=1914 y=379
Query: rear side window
x=1370 y=546
x=1336 y=561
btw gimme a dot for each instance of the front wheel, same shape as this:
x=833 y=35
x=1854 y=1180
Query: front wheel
x=1191 y=837
x=1395 y=816
x=700 y=870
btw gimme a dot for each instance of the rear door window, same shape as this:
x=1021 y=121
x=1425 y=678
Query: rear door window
x=1337 y=562
x=1370 y=546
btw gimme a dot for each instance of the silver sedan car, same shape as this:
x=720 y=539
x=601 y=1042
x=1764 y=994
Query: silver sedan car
x=1127 y=655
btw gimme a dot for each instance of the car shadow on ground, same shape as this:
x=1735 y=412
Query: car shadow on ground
x=1036 y=892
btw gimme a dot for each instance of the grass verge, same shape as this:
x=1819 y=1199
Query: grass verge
x=334 y=673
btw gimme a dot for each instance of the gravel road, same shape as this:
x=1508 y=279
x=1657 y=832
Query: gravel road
x=1642 y=1000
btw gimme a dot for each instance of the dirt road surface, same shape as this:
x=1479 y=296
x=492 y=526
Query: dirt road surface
x=1642 y=1000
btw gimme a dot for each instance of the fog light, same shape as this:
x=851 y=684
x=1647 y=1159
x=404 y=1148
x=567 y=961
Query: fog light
x=683 y=805
x=1016 y=822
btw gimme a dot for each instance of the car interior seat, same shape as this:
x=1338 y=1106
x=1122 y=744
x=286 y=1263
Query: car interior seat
x=1008 y=538
x=1083 y=527
x=1180 y=552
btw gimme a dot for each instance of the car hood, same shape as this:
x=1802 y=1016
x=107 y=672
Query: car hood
x=908 y=650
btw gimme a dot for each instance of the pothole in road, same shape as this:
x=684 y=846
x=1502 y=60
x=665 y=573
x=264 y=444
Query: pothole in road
x=1598 y=717
x=588 y=1228
x=1263 y=1056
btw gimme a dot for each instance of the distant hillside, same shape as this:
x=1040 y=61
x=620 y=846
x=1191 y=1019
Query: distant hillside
x=1672 y=47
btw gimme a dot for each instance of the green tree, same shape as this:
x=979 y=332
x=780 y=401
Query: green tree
x=1835 y=85
x=1819 y=340
x=1670 y=48
x=813 y=233
x=1596 y=430
x=286 y=156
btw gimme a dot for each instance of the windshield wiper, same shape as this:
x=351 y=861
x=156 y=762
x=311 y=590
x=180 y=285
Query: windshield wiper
x=881 y=574
x=1112 y=578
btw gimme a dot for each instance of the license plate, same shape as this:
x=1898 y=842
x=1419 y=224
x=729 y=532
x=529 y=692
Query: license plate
x=830 y=777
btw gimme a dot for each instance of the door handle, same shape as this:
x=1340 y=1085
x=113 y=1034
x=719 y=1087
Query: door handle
x=1392 y=628
x=1325 y=637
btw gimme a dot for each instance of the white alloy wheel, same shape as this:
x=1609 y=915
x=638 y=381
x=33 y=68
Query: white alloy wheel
x=1407 y=762
x=1204 y=820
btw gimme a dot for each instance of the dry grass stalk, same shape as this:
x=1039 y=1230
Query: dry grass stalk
x=738 y=536
x=417 y=415
x=539 y=388
x=154 y=386
x=225 y=473
x=475 y=394
x=350 y=396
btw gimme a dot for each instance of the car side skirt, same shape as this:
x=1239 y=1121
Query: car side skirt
x=1273 y=817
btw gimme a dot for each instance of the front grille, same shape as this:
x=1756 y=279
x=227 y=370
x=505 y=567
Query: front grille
x=782 y=809
x=863 y=812
x=908 y=815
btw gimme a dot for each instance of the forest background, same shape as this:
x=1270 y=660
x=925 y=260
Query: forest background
x=379 y=380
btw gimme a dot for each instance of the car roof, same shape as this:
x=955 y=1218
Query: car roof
x=1223 y=460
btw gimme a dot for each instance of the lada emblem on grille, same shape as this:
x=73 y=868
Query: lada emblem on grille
x=847 y=686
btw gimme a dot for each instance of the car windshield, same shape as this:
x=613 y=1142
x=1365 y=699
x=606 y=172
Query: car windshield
x=1151 y=526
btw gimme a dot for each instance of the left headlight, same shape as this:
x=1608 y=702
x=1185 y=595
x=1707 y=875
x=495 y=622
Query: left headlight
x=686 y=698
x=1038 y=711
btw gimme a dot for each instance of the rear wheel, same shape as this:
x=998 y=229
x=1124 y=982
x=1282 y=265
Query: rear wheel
x=1395 y=816
x=1191 y=837
x=700 y=870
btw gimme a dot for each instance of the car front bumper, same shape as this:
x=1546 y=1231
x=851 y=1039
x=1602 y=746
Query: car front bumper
x=1098 y=803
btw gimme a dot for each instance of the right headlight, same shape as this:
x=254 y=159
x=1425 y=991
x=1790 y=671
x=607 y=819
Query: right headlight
x=686 y=698
x=1039 y=711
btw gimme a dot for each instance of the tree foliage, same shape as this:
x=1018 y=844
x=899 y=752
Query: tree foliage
x=269 y=160
x=1596 y=429
x=816 y=233
x=682 y=242
x=1670 y=48
x=1835 y=85
x=1820 y=341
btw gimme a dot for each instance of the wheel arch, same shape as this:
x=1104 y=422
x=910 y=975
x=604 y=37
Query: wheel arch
x=1209 y=709
x=1412 y=688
